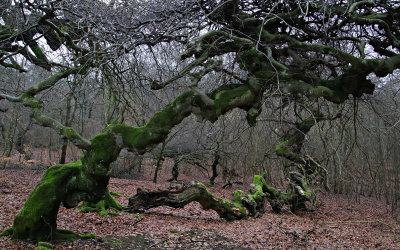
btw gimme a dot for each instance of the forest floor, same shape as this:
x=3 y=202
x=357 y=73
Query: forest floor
x=339 y=222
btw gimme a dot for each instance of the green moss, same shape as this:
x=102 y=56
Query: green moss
x=108 y=203
x=58 y=37
x=224 y=99
x=213 y=94
x=104 y=150
x=118 y=195
x=321 y=91
x=157 y=129
x=138 y=217
x=4 y=28
x=253 y=61
x=226 y=209
x=237 y=196
x=67 y=235
x=265 y=74
x=5 y=31
x=64 y=29
x=31 y=101
x=283 y=149
x=7 y=232
x=42 y=245
x=5 y=35
x=196 y=101
x=383 y=67
x=257 y=196
x=70 y=133
x=38 y=52
x=167 y=117
x=241 y=209
x=103 y=146
x=134 y=137
x=37 y=219
x=259 y=181
x=251 y=117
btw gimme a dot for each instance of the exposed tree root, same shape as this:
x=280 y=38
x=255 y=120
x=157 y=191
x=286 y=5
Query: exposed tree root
x=61 y=235
x=196 y=191
x=108 y=203
x=240 y=207
x=7 y=232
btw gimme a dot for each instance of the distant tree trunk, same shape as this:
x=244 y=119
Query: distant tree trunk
x=160 y=159
x=64 y=148
x=49 y=148
x=175 y=169
x=68 y=120
x=9 y=136
x=20 y=142
x=214 y=168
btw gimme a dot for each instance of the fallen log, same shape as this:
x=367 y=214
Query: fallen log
x=240 y=207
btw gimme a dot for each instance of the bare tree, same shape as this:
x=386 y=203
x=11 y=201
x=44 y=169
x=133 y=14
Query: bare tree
x=300 y=51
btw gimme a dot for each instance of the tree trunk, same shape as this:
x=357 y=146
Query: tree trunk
x=175 y=169
x=304 y=173
x=240 y=207
x=214 y=169
x=64 y=148
x=68 y=120
x=9 y=141
x=160 y=159
x=61 y=184
x=87 y=180
x=67 y=184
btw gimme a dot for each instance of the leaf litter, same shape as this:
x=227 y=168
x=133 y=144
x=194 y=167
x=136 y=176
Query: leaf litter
x=339 y=222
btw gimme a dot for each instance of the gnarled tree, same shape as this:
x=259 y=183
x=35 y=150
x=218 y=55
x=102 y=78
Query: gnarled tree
x=303 y=50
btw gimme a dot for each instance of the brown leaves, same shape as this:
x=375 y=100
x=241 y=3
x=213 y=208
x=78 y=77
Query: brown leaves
x=334 y=225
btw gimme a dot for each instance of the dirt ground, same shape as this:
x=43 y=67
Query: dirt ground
x=339 y=222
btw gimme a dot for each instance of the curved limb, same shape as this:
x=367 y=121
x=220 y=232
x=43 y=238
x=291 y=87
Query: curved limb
x=238 y=208
x=303 y=171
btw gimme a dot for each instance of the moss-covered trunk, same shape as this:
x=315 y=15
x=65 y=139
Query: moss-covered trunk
x=37 y=220
x=66 y=184
x=87 y=180
x=239 y=207
x=303 y=172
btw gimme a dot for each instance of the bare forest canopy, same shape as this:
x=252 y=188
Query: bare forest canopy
x=201 y=57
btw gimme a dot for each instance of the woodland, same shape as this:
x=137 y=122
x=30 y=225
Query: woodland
x=199 y=124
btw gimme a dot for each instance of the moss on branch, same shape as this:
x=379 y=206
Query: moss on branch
x=239 y=207
x=49 y=82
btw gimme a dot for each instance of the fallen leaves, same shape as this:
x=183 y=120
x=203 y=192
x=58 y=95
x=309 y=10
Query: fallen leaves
x=336 y=224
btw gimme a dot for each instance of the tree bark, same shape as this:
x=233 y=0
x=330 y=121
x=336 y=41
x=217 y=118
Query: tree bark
x=87 y=180
x=68 y=120
x=214 y=169
x=238 y=208
x=160 y=160
x=61 y=184
x=304 y=173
